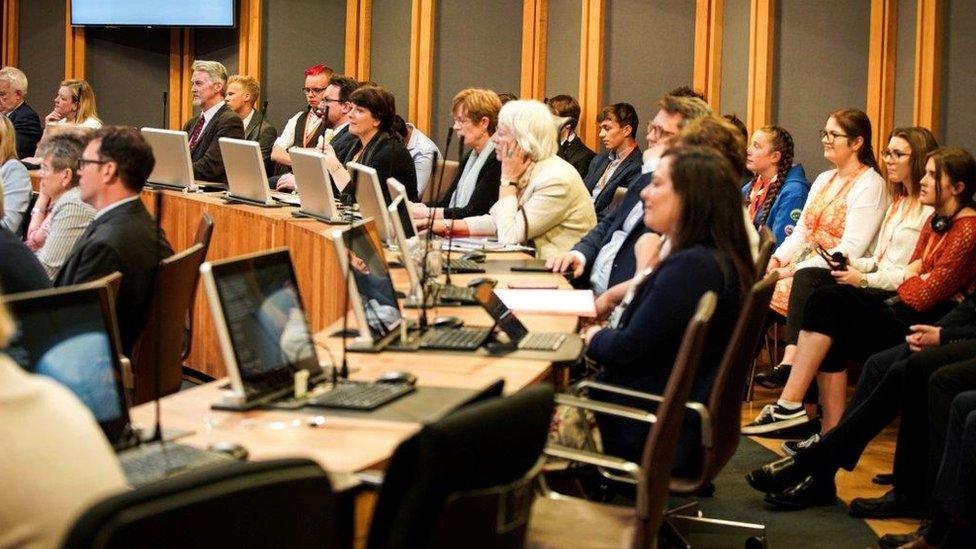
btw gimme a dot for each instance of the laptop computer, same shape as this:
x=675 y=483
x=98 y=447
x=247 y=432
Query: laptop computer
x=70 y=335
x=261 y=326
x=370 y=198
x=246 y=179
x=173 y=168
x=518 y=335
x=315 y=186
x=406 y=220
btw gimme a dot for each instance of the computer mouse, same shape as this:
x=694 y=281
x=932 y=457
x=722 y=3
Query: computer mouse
x=477 y=256
x=232 y=449
x=397 y=377
x=447 y=322
x=475 y=282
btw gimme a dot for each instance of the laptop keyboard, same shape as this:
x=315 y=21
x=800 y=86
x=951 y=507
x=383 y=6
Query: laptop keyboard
x=463 y=266
x=155 y=461
x=454 y=339
x=361 y=396
x=460 y=294
x=541 y=342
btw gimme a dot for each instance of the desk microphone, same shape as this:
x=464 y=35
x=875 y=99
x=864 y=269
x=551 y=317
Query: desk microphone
x=425 y=272
x=343 y=371
x=452 y=202
x=264 y=109
x=165 y=108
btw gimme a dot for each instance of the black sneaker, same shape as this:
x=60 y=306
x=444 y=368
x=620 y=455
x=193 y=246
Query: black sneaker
x=791 y=447
x=773 y=418
x=774 y=378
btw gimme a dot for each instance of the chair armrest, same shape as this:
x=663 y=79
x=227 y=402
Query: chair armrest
x=371 y=479
x=607 y=408
x=593 y=458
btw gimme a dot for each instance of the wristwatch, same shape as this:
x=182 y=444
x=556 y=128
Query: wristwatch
x=863 y=283
x=507 y=183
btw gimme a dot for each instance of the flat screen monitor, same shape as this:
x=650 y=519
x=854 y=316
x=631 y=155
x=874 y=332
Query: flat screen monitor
x=153 y=13
x=406 y=221
x=370 y=197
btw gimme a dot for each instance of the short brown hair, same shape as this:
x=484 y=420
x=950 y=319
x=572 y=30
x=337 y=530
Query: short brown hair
x=623 y=114
x=478 y=103
x=690 y=108
x=129 y=150
x=719 y=134
x=379 y=102
x=248 y=83
x=959 y=166
x=567 y=106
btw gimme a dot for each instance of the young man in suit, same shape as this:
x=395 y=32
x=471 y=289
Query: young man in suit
x=208 y=84
x=242 y=95
x=13 y=93
x=123 y=237
x=620 y=164
x=571 y=147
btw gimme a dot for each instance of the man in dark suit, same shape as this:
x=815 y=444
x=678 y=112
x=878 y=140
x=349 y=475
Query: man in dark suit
x=13 y=93
x=242 y=95
x=620 y=164
x=208 y=84
x=20 y=271
x=123 y=237
x=571 y=147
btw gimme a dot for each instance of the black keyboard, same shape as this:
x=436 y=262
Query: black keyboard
x=155 y=461
x=454 y=339
x=463 y=266
x=459 y=294
x=361 y=396
x=541 y=342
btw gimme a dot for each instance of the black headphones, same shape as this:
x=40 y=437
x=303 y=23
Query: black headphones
x=941 y=223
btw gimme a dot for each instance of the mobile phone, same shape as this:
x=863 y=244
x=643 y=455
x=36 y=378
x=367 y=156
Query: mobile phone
x=836 y=261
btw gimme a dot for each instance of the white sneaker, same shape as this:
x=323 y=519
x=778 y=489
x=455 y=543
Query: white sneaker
x=774 y=417
x=791 y=447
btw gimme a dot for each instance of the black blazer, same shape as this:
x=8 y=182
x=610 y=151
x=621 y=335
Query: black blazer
x=578 y=154
x=124 y=239
x=208 y=164
x=390 y=158
x=264 y=133
x=27 y=125
x=628 y=170
x=485 y=190
x=343 y=142
x=20 y=271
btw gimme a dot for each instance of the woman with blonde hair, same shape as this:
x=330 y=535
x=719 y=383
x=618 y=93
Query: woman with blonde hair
x=75 y=104
x=16 y=180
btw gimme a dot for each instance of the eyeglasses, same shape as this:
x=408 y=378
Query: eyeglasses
x=830 y=137
x=82 y=162
x=315 y=91
x=897 y=155
x=328 y=100
x=659 y=131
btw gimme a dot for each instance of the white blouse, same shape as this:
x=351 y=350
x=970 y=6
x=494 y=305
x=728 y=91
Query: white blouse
x=885 y=268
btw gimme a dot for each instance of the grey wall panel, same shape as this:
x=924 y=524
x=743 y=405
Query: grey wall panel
x=649 y=49
x=220 y=45
x=297 y=34
x=563 y=49
x=478 y=44
x=735 y=58
x=959 y=78
x=905 y=64
x=41 y=57
x=129 y=71
x=820 y=65
x=390 y=55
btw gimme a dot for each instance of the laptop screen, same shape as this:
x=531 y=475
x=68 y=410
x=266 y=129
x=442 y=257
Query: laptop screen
x=265 y=320
x=373 y=282
x=64 y=335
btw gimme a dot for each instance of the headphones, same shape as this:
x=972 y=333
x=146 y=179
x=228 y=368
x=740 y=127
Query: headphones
x=941 y=223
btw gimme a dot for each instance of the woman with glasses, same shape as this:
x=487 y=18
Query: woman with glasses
x=16 y=181
x=778 y=190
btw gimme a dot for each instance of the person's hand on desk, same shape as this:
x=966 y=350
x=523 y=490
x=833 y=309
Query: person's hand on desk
x=286 y=183
x=566 y=262
x=447 y=227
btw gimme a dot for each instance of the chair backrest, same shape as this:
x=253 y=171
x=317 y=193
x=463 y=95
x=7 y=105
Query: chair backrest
x=204 y=234
x=436 y=188
x=25 y=221
x=767 y=243
x=176 y=280
x=493 y=444
x=725 y=400
x=659 y=450
x=281 y=503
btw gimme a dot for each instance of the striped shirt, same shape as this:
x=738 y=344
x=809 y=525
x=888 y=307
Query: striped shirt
x=68 y=220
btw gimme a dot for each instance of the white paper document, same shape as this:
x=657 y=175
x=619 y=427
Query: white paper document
x=556 y=302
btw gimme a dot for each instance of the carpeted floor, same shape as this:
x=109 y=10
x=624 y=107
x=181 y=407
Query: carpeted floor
x=734 y=499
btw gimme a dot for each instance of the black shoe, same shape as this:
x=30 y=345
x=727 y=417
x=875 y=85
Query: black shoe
x=884 y=479
x=776 y=476
x=888 y=506
x=775 y=378
x=812 y=491
x=792 y=447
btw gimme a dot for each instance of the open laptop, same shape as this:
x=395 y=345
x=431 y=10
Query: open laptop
x=246 y=179
x=406 y=220
x=261 y=325
x=369 y=196
x=315 y=186
x=70 y=335
x=173 y=168
x=518 y=335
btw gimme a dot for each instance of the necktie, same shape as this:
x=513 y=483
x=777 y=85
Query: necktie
x=197 y=130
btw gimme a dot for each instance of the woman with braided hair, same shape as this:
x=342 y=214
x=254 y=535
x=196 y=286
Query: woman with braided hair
x=776 y=194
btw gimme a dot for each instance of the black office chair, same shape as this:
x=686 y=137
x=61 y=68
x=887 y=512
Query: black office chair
x=466 y=480
x=25 y=221
x=283 y=503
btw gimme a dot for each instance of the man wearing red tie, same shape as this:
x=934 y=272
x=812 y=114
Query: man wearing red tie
x=208 y=84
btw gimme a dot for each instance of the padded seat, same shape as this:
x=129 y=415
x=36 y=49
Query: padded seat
x=559 y=521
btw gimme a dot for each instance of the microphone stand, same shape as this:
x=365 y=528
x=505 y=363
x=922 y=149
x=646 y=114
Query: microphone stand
x=154 y=334
x=450 y=233
x=165 y=109
x=425 y=272
x=343 y=371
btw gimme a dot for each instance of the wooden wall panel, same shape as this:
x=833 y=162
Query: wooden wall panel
x=591 y=68
x=881 y=70
x=760 y=89
x=535 y=27
x=421 y=63
x=735 y=58
x=708 y=50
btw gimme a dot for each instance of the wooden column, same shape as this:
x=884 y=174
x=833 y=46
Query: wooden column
x=708 y=50
x=11 y=34
x=249 y=38
x=928 y=64
x=760 y=89
x=180 y=66
x=74 y=46
x=358 y=38
x=421 y=63
x=591 y=69
x=535 y=21
x=881 y=71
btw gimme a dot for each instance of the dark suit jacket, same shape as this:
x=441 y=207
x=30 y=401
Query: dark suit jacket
x=485 y=190
x=20 y=271
x=625 y=263
x=578 y=154
x=125 y=239
x=628 y=170
x=343 y=142
x=265 y=134
x=28 y=127
x=390 y=158
x=208 y=164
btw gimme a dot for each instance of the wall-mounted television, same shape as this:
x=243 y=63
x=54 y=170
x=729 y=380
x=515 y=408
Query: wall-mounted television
x=152 y=13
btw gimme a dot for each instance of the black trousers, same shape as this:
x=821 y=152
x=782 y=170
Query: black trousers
x=955 y=484
x=805 y=281
x=893 y=381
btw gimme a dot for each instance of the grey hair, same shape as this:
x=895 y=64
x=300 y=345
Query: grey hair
x=15 y=78
x=65 y=150
x=532 y=125
x=216 y=71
